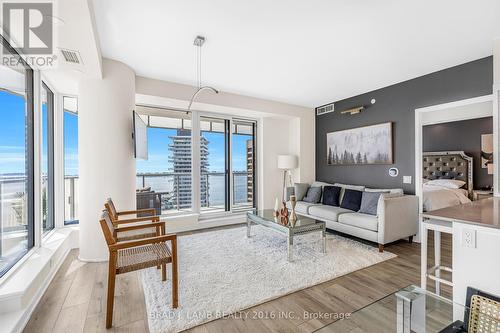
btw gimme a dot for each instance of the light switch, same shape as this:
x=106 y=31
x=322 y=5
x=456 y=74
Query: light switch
x=406 y=179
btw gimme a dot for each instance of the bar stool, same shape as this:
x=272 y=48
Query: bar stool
x=434 y=273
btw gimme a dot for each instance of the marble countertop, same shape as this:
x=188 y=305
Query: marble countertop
x=485 y=213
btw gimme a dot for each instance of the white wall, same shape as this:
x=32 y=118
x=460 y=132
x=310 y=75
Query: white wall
x=496 y=61
x=106 y=160
x=476 y=267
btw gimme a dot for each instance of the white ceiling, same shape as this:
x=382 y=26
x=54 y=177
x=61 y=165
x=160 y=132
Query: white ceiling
x=308 y=52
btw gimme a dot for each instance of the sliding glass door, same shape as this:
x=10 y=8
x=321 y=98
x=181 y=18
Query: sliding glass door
x=243 y=164
x=214 y=164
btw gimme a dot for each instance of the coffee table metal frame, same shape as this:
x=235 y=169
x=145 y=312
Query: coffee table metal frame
x=289 y=230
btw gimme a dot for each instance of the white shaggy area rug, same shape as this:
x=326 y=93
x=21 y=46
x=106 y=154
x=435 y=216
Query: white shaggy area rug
x=223 y=271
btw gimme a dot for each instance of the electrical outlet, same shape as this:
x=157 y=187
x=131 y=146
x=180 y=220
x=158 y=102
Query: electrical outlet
x=406 y=179
x=469 y=238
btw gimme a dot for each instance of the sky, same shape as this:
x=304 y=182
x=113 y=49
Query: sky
x=158 y=151
x=12 y=137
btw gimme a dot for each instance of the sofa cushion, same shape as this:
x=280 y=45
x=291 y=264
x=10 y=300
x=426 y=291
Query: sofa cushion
x=386 y=190
x=313 y=195
x=369 y=202
x=301 y=207
x=331 y=195
x=360 y=220
x=351 y=199
x=300 y=190
x=325 y=212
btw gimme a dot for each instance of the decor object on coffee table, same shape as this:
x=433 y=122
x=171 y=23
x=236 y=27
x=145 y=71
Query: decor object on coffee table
x=287 y=163
x=293 y=215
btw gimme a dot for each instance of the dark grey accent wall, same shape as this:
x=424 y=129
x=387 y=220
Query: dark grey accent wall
x=461 y=135
x=397 y=103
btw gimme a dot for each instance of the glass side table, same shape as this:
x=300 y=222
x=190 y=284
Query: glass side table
x=410 y=309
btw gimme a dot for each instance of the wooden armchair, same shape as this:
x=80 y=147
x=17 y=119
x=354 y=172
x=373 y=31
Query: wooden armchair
x=115 y=215
x=128 y=256
x=152 y=231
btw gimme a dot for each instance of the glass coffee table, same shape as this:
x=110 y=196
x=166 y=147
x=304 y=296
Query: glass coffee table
x=410 y=309
x=303 y=225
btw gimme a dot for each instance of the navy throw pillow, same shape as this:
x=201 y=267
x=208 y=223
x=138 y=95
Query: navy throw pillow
x=351 y=199
x=331 y=195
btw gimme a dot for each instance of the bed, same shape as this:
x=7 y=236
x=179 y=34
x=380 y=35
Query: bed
x=443 y=173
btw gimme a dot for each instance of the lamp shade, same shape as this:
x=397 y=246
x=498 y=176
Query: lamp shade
x=287 y=162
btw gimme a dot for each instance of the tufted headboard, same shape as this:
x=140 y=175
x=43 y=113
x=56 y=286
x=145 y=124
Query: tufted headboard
x=448 y=165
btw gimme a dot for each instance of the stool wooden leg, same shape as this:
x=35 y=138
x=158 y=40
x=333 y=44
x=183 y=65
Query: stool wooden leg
x=381 y=248
x=437 y=258
x=423 y=259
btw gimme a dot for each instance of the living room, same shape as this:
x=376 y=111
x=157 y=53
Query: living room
x=241 y=167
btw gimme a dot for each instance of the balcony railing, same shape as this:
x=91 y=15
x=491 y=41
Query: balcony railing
x=178 y=198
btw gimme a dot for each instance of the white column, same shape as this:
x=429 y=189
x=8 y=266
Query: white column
x=106 y=155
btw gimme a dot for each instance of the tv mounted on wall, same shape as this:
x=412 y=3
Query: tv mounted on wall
x=140 y=136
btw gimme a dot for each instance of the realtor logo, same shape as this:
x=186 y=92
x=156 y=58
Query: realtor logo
x=28 y=26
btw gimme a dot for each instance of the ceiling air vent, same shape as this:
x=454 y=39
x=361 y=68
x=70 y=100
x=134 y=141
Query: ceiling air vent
x=325 y=109
x=72 y=57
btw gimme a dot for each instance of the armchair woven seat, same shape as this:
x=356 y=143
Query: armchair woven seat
x=141 y=253
x=141 y=257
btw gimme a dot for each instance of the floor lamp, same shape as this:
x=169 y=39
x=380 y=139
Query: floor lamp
x=287 y=163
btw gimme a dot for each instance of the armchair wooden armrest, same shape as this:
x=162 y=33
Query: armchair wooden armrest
x=141 y=226
x=138 y=219
x=144 y=241
x=152 y=211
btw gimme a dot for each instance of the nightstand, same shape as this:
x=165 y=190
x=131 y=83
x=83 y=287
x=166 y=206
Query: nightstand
x=481 y=194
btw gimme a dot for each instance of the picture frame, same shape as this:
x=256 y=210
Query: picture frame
x=365 y=145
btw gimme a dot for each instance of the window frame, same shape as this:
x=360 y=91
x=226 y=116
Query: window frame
x=51 y=207
x=30 y=155
x=75 y=221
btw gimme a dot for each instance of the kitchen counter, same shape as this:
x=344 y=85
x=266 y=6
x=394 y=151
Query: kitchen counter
x=485 y=213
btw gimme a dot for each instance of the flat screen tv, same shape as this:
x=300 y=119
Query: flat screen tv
x=140 y=136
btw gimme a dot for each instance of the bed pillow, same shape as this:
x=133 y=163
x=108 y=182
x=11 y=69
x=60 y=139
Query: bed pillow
x=369 y=202
x=331 y=195
x=313 y=195
x=351 y=199
x=449 y=183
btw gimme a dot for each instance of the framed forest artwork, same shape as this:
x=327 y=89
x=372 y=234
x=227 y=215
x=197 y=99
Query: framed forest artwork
x=362 y=145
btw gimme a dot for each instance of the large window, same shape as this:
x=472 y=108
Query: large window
x=16 y=158
x=164 y=180
x=70 y=106
x=47 y=157
x=225 y=156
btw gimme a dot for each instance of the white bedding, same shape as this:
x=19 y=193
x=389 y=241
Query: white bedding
x=437 y=197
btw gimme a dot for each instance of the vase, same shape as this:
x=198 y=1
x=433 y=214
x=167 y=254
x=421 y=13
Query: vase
x=284 y=210
x=293 y=215
x=277 y=207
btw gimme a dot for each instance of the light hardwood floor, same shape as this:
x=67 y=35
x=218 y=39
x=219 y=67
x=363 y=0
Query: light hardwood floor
x=76 y=299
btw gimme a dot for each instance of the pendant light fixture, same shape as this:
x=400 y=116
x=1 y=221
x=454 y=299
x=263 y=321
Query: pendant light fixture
x=198 y=43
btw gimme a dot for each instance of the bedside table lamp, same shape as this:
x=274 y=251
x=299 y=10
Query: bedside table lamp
x=287 y=163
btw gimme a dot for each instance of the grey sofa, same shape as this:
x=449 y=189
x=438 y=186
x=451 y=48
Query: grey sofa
x=397 y=215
